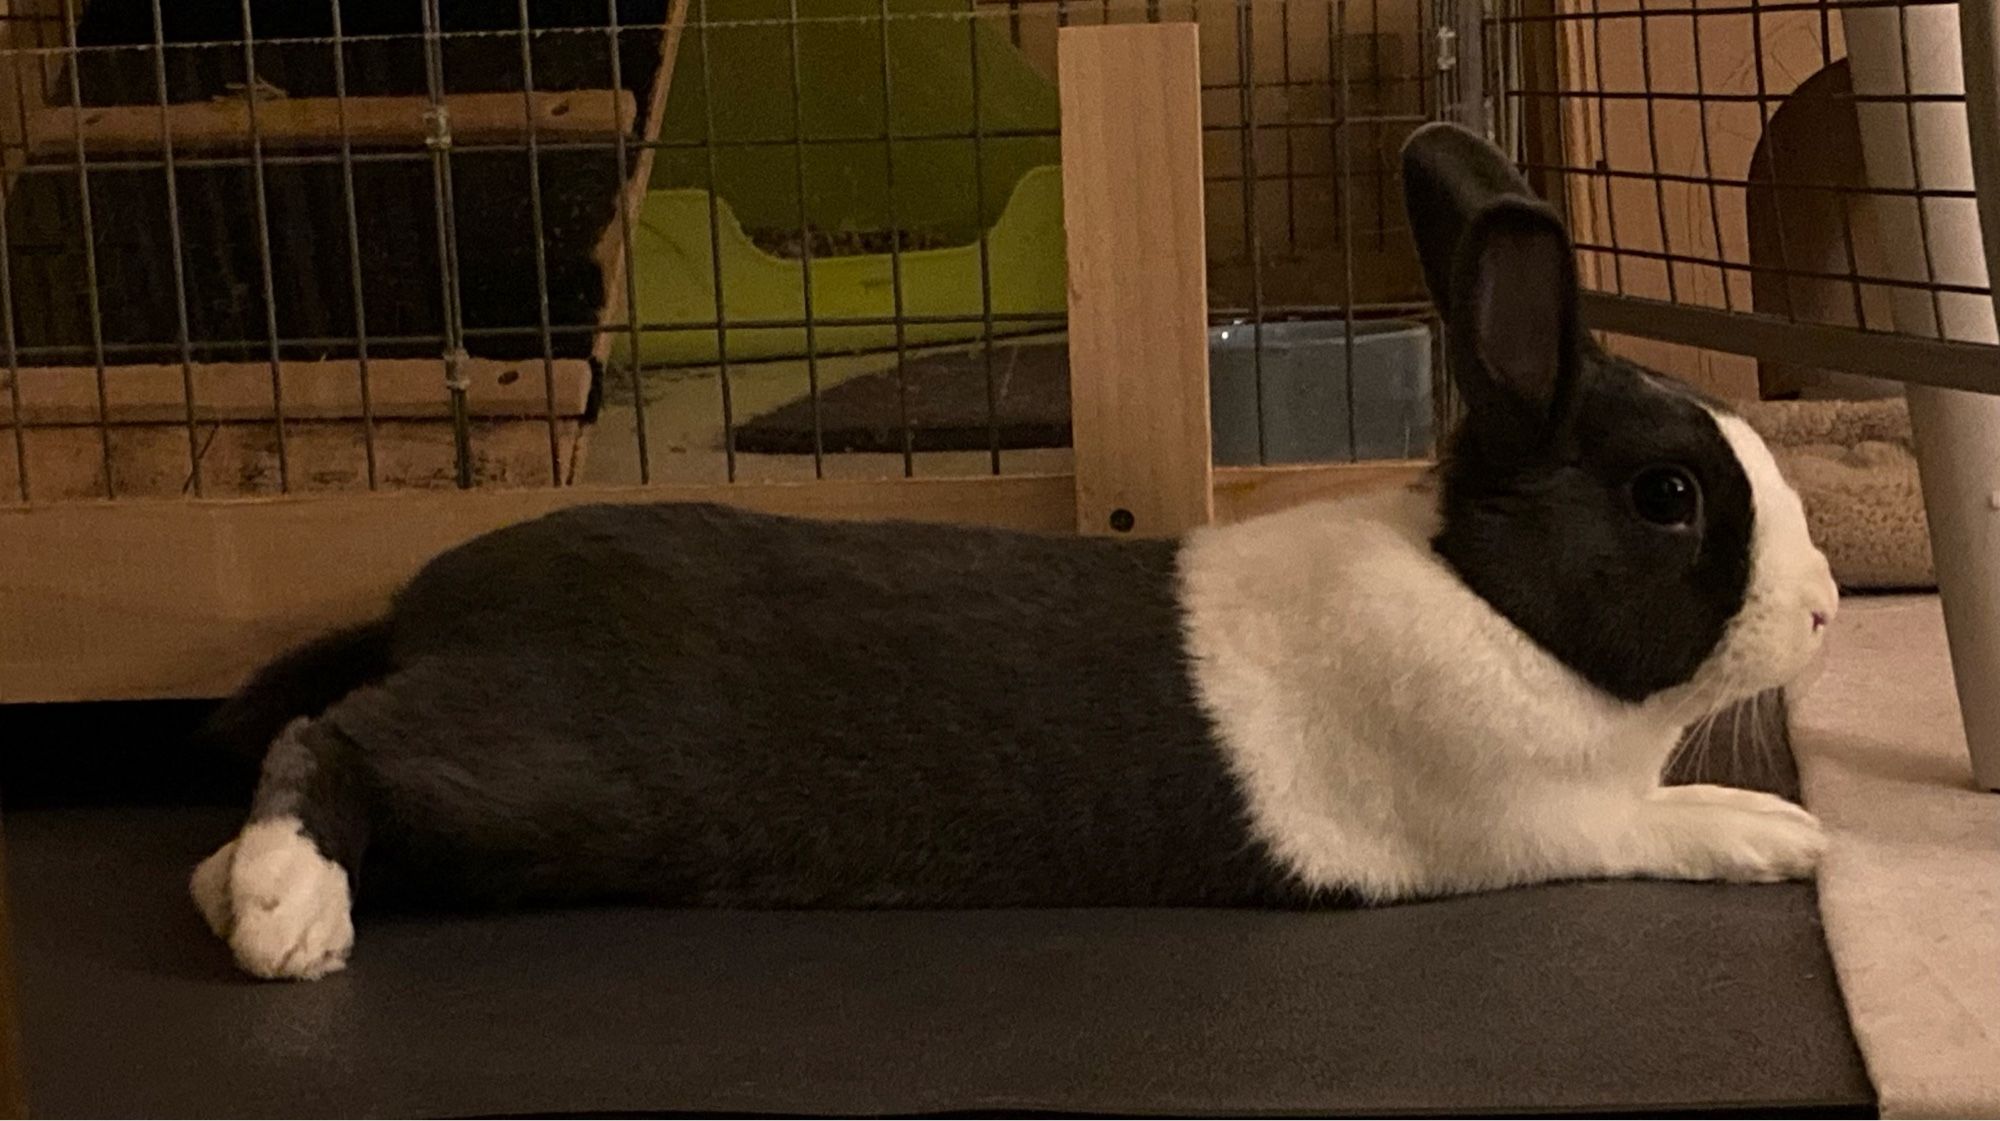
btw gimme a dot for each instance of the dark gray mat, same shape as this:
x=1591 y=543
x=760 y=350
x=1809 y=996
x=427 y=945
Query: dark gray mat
x=945 y=400
x=1626 y=997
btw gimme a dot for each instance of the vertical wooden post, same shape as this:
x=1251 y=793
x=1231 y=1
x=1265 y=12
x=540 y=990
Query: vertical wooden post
x=1138 y=282
x=616 y=315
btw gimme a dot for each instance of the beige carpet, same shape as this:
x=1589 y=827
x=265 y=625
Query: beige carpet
x=1910 y=890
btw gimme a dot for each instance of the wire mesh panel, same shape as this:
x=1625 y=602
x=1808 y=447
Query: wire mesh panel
x=1314 y=280
x=294 y=246
x=880 y=240
x=317 y=255
x=869 y=197
x=1802 y=162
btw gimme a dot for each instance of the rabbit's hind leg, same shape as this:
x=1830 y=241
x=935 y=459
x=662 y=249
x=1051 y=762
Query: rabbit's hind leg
x=281 y=893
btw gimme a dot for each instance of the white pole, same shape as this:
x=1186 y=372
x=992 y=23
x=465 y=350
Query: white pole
x=1894 y=52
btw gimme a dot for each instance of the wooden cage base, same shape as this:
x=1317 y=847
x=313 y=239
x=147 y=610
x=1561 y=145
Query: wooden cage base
x=225 y=585
x=242 y=460
x=309 y=390
x=151 y=446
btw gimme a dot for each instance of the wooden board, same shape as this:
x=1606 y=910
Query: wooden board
x=320 y=122
x=228 y=584
x=1138 y=295
x=397 y=388
x=67 y=464
x=1246 y=492
x=616 y=242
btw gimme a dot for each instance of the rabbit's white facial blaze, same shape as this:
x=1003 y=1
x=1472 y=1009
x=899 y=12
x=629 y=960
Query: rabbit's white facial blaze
x=1791 y=597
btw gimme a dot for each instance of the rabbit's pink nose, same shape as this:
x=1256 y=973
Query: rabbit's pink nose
x=1819 y=621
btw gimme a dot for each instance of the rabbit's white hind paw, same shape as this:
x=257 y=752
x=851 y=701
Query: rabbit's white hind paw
x=289 y=905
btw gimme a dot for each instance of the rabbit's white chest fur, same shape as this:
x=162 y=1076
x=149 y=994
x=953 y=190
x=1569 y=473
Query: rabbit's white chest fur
x=1392 y=732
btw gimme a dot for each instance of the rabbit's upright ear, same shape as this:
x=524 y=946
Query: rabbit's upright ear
x=1501 y=271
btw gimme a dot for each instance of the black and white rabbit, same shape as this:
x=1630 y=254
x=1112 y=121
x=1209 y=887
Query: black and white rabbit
x=1469 y=684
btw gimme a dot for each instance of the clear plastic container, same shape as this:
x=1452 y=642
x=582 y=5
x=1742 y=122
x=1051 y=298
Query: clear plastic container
x=1305 y=392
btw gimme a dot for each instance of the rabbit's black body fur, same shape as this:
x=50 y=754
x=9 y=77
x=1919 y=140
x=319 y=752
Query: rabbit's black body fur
x=698 y=704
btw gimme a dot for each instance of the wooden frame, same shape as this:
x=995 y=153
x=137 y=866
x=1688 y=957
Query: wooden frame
x=1138 y=277
x=397 y=387
x=172 y=598
x=227 y=584
x=307 y=122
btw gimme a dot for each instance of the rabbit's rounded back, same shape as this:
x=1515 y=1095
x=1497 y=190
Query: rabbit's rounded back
x=1636 y=530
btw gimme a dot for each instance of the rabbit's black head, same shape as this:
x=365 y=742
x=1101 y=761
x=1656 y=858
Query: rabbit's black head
x=1635 y=530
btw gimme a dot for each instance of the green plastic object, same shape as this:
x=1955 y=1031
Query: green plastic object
x=734 y=127
x=674 y=272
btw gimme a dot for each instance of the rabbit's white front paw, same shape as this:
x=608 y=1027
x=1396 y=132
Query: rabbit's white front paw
x=1753 y=800
x=1762 y=840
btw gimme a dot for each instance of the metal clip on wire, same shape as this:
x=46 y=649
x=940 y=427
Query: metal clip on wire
x=1447 y=45
x=437 y=119
x=454 y=366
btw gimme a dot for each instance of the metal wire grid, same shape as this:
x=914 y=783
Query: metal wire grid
x=1306 y=104
x=58 y=70
x=1353 y=105
x=1661 y=127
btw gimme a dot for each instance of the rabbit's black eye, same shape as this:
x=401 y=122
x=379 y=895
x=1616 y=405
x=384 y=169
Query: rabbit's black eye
x=1666 y=496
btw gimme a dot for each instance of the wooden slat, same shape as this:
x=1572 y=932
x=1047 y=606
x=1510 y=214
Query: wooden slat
x=239 y=459
x=1540 y=61
x=315 y=122
x=614 y=244
x=225 y=585
x=397 y=388
x=1138 y=298
x=1246 y=492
